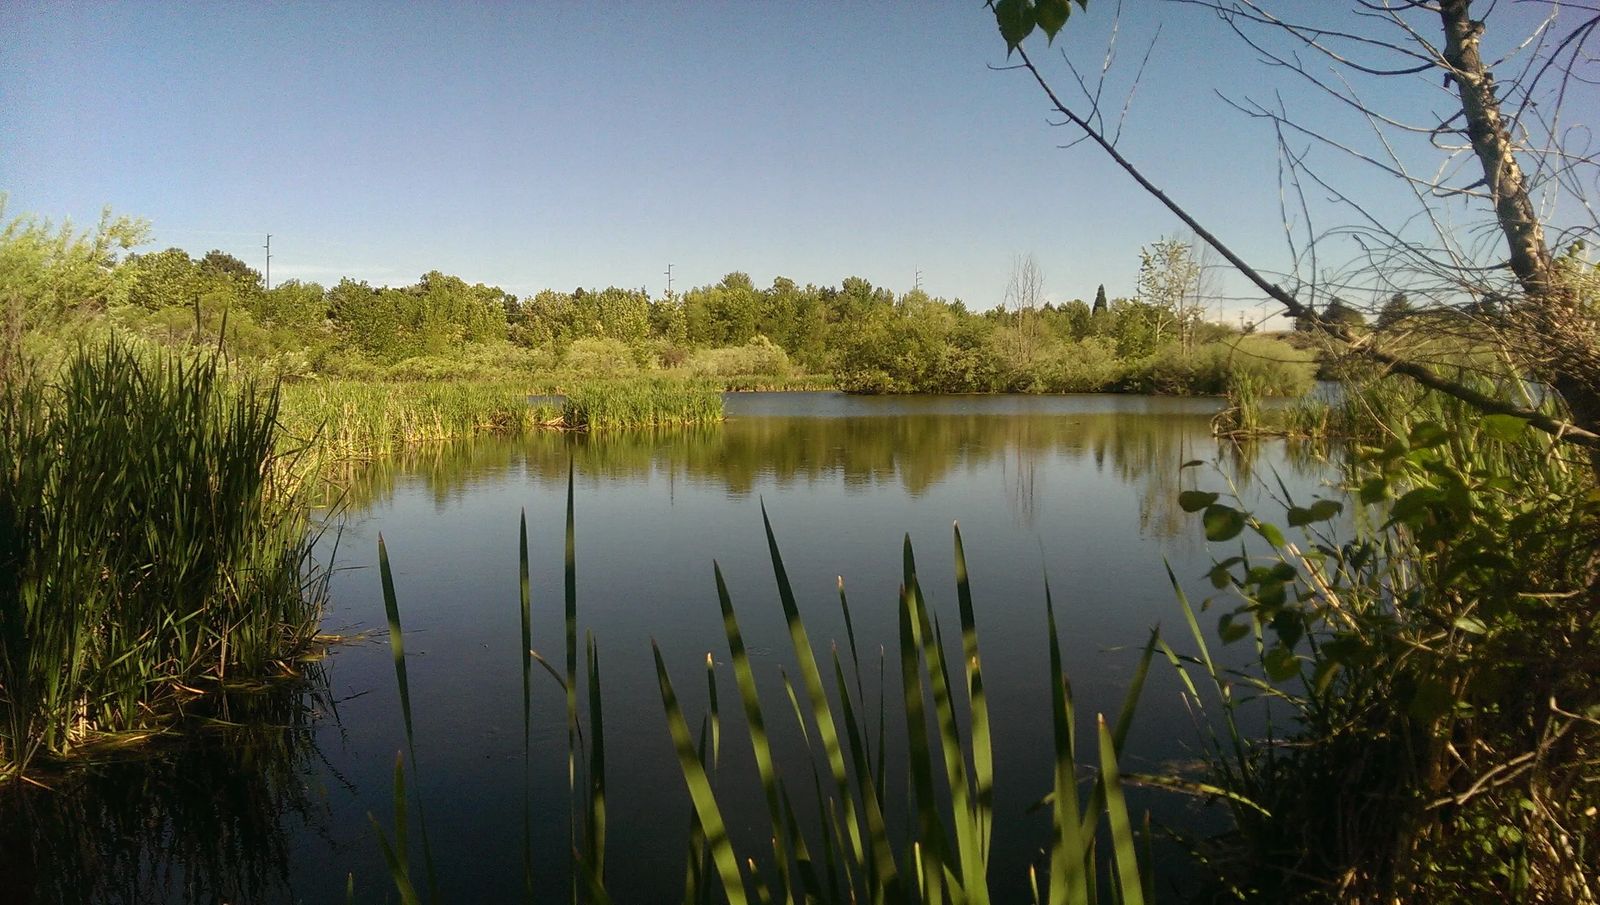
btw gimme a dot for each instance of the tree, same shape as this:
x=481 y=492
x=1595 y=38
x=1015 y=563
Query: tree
x=1508 y=132
x=1394 y=311
x=1099 y=299
x=1024 y=294
x=1169 y=282
x=1340 y=313
x=163 y=279
x=48 y=273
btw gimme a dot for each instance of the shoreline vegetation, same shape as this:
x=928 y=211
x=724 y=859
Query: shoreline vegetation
x=155 y=552
x=1435 y=726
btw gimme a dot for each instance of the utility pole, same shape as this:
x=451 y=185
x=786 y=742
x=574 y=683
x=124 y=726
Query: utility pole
x=268 y=247
x=918 y=281
x=669 y=281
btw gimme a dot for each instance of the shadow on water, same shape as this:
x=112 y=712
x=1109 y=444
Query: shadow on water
x=207 y=820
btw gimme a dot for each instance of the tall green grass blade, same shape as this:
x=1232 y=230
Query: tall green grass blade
x=969 y=867
x=596 y=804
x=397 y=647
x=877 y=828
x=822 y=713
x=1119 y=734
x=756 y=724
x=394 y=856
x=930 y=830
x=982 y=749
x=1126 y=853
x=700 y=791
x=1068 y=884
x=526 y=599
x=713 y=712
x=570 y=599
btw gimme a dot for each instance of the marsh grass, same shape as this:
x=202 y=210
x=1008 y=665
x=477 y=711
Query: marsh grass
x=641 y=402
x=845 y=850
x=347 y=419
x=350 y=420
x=152 y=549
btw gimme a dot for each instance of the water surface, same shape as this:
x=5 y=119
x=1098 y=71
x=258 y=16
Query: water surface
x=1081 y=490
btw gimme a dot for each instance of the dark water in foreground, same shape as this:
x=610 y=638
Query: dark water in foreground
x=1084 y=488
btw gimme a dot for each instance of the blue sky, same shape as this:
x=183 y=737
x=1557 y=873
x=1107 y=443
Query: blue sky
x=554 y=145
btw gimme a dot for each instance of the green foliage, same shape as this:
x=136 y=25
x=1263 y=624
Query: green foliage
x=50 y=273
x=861 y=337
x=600 y=357
x=152 y=548
x=1436 y=669
x=757 y=358
x=1018 y=18
x=648 y=402
x=347 y=419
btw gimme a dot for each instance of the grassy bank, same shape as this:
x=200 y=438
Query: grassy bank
x=346 y=419
x=152 y=549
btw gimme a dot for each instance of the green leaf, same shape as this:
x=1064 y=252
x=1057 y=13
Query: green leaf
x=1195 y=500
x=1290 y=627
x=1326 y=672
x=1223 y=522
x=1220 y=575
x=1428 y=433
x=1471 y=624
x=1016 y=19
x=1374 y=490
x=1504 y=427
x=1052 y=15
x=1281 y=664
x=1269 y=532
x=1230 y=631
x=1320 y=511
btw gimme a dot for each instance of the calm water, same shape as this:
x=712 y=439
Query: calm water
x=1082 y=488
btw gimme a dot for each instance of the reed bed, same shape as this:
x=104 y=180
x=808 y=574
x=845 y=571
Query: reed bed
x=152 y=549
x=349 y=419
x=845 y=850
x=640 y=402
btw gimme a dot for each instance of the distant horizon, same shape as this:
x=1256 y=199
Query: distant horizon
x=533 y=147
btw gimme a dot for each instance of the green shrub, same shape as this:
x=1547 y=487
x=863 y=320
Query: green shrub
x=759 y=357
x=151 y=547
x=600 y=357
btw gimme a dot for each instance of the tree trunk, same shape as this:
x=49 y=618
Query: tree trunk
x=1551 y=306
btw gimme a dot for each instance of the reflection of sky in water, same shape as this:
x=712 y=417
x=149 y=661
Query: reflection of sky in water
x=1082 y=487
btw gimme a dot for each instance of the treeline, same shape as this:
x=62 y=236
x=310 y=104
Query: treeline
x=859 y=337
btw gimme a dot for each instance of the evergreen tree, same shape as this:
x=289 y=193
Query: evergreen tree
x=1099 y=300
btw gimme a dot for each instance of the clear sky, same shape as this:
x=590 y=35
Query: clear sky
x=534 y=145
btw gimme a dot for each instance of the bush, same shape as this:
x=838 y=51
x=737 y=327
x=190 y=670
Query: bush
x=600 y=357
x=1085 y=366
x=758 y=357
x=1274 y=368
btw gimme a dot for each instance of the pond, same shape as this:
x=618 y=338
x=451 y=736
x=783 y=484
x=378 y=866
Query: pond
x=1079 y=490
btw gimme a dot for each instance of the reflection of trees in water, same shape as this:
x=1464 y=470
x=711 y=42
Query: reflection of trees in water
x=914 y=452
x=207 y=821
